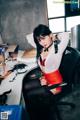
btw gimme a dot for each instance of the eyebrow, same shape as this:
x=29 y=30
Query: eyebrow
x=40 y=37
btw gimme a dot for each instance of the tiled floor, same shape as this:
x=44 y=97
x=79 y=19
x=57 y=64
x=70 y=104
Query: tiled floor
x=72 y=114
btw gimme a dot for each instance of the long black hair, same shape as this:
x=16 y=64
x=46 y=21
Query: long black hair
x=40 y=30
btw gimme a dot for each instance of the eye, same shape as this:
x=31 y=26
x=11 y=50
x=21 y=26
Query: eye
x=39 y=40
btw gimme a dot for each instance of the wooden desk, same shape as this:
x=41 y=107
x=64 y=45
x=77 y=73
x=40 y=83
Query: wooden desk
x=12 y=48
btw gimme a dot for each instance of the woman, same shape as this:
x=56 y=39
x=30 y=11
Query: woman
x=49 y=54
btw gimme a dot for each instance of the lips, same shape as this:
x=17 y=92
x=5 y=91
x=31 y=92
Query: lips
x=45 y=46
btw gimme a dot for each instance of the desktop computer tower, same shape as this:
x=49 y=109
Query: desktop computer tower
x=75 y=37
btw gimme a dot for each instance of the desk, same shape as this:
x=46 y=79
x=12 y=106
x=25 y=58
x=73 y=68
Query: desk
x=15 y=96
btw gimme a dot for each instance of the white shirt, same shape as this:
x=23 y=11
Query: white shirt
x=53 y=59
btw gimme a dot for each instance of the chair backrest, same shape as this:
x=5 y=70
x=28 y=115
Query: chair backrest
x=68 y=65
x=31 y=81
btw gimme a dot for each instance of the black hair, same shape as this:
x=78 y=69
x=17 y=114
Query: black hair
x=40 y=30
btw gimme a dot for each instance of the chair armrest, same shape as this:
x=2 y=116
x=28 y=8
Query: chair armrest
x=42 y=89
x=56 y=85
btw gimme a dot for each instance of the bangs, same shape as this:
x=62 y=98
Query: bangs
x=40 y=32
x=41 y=37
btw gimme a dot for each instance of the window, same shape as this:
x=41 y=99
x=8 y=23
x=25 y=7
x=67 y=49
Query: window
x=56 y=25
x=55 y=8
x=72 y=7
x=72 y=21
x=60 y=14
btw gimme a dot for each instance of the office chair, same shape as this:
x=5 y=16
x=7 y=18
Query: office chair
x=69 y=68
x=40 y=102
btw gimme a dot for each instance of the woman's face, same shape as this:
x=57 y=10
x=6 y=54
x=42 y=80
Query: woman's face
x=45 y=41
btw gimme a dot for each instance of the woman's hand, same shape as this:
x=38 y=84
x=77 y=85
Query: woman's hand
x=54 y=91
x=7 y=73
x=43 y=81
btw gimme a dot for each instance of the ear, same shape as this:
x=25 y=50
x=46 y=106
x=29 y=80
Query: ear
x=52 y=36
